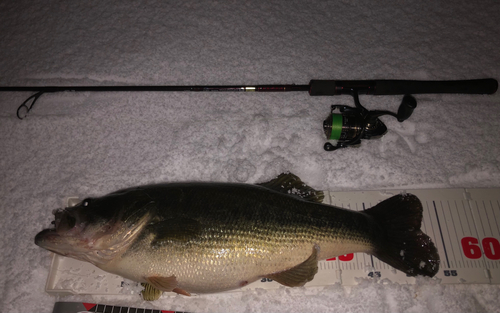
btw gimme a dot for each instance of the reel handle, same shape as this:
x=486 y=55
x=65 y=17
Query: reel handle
x=408 y=104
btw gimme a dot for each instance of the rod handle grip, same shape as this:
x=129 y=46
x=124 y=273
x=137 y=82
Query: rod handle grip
x=318 y=87
x=472 y=86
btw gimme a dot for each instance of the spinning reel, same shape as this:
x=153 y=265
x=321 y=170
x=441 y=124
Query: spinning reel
x=356 y=123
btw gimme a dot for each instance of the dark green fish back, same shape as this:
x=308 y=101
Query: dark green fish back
x=186 y=209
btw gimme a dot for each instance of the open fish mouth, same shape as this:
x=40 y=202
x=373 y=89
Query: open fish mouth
x=62 y=233
x=64 y=220
x=50 y=234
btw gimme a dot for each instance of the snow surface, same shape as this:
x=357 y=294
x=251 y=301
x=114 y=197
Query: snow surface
x=88 y=144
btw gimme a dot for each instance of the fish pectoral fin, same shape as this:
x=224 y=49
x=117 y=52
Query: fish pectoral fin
x=175 y=229
x=291 y=184
x=298 y=275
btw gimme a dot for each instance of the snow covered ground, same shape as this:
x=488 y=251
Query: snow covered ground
x=88 y=144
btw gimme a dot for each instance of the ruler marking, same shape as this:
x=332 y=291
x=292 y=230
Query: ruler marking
x=434 y=235
x=448 y=229
x=461 y=228
x=453 y=225
x=441 y=233
x=487 y=217
x=431 y=230
x=457 y=256
x=473 y=232
x=468 y=221
x=466 y=263
x=484 y=264
x=481 y=221
x=73 y=307
x=489 y=262
x=496 y=219
x=459 y=219
x=496 y=223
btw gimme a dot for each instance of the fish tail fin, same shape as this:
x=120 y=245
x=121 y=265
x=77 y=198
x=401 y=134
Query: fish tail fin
x=402 y=244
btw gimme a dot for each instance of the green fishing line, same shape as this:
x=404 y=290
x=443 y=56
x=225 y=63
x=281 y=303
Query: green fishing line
x=336 y=126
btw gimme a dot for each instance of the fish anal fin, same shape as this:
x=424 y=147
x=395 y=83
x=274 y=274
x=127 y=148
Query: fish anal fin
x=300 y=274
x=292 y=185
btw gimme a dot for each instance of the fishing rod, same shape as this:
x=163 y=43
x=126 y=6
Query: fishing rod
x=347 y=127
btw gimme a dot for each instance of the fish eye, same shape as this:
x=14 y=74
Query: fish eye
x=86 y=202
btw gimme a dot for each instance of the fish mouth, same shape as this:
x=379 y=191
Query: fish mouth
x=64 y=220
x=45 y=235
x=50 y=240
x=65 y=230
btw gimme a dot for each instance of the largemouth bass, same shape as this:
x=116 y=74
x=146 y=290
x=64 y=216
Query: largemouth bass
x=212 y=237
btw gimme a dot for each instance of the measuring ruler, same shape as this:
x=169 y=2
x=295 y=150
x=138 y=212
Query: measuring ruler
x=463 y=224
x=82 y=307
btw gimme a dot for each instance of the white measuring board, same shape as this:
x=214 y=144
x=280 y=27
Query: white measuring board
x=463 y=224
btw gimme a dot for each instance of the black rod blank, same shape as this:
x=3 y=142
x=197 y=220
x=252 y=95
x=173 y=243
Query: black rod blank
x=236 y=88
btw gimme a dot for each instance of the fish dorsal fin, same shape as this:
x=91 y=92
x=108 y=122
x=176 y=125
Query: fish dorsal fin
x=298 y=275
x=291 y=184
x=175 y=229
x=165 y=284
